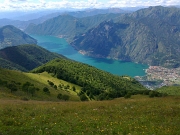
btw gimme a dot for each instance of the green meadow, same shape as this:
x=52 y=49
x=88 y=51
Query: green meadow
x=39 y=81
x=137 y=115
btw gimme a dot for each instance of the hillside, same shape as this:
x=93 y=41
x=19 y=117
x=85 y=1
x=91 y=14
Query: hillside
x=67 y=26
x=26 y=86
x=64 y=79
x=25 y=57
x=95 y=83
x=11 y=36
x=170 y=90
x=148 y=36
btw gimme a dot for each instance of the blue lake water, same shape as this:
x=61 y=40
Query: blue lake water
x=116 y=67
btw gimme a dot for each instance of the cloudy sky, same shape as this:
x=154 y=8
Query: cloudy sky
x=79 y=4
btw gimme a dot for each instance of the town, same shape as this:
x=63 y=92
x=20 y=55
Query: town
x=157 y=76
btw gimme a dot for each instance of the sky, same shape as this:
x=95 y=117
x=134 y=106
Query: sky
x=9 y=5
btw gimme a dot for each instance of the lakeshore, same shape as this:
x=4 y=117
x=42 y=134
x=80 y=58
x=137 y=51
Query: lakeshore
x=157 y=76
x=117 y=67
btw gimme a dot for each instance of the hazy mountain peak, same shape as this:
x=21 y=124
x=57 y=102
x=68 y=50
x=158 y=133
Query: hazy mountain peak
x=12 y=36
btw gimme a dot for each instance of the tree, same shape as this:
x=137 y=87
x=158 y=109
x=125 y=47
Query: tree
x=65 y=97
x=12 y=87
x=50 y=83
x=83 y=97
x=46 y=90
x=74 y=88
x=55 y=87
x=31 y=90
x=59 y=96
x=25 y=86
x=128 y=95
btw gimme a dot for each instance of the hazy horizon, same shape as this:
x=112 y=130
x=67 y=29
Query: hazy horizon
x=30 y=5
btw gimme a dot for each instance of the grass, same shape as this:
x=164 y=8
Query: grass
x=170 y=90
x=40 y=81
x=135 y=116
x=42 y=78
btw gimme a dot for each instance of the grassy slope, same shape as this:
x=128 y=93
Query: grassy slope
x=170 y=90
x=43 y=77
x=39 y=80
x=136 y=116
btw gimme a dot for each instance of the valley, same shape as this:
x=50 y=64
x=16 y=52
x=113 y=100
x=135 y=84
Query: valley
x=61 y=46
x=91 y=72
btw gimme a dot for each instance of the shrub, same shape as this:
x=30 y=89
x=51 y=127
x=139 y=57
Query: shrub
x=59 y=96
x=63 y=97
x=55 y=87
x=50 y=83
x=24 y=99
x=74 y=88
x=12 y=87
x=46 y=90
x=128 y=95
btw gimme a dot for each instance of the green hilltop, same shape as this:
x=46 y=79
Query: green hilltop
x=25 y=57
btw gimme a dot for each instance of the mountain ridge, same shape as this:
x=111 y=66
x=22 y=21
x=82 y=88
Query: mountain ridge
x=25 y=57
x=67 y=26
x=150 y=37
x=12 y=36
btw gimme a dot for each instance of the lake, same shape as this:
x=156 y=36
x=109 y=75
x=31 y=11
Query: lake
x=59 y=45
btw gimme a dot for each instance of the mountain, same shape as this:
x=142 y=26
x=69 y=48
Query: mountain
x=11 y=36
x=93 y=12
x=67 y=26
x=149 y=36
x=95 y=83
x=24 y=24
x=25 y=57
x=24 y=20
x=16 y=23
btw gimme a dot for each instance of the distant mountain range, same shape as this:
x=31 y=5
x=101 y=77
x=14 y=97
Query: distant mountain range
x=148 y=36
x=24 y=20
x=11 y=36
x=67 y=26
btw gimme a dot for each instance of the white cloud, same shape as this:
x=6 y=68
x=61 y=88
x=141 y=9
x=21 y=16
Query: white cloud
x=17 y=0
x=45 y=4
